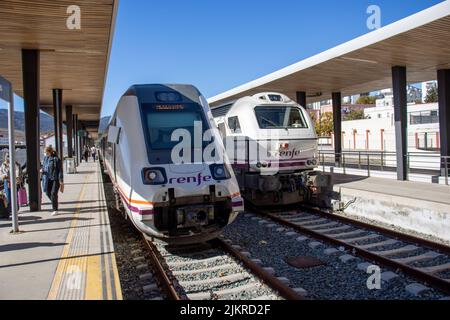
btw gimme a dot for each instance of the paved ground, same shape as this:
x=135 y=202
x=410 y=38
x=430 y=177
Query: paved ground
x=407 y=189
x=69 y=256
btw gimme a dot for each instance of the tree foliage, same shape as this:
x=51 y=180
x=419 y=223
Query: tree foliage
x=432 y=95
x=354 y=115
x=324 y=127
x=367 y=100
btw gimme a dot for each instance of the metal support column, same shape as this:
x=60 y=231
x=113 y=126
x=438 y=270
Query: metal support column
x=443 y=77
x=69 y=127
x=74 y=138
x=301 y=98
x=57 y=118
x=6 y=94
x=337 y=123
x=80 y=127
x=77 y=140
x=31 y=97
x=400 y=114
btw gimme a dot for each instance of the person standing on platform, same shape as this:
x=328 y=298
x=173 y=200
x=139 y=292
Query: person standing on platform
x=94 y=153
x=86 y=153
x=55 y=178
x=44 y=168
x=5 y=176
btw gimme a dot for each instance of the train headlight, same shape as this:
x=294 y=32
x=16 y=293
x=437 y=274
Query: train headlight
x=154 y=176
x=211 y=213
x=180 y=217
x=219 y=172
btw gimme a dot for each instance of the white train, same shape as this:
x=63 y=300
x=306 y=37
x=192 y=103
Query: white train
x=177 y=202
x=274 y=148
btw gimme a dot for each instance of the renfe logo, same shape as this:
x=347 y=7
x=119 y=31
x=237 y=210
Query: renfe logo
x=194 y=179
x=289 y=154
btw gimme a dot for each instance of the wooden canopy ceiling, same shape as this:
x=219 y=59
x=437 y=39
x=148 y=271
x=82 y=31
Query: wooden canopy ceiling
x=73 y=60
x=419 y=42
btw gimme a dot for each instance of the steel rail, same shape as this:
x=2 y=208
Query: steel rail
x=173 y=290
x=283 y=290
x=435 y=281
x=165 y=281
x=402 y=236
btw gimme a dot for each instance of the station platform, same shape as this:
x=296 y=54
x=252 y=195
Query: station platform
x=416 y=207
x=66 y=257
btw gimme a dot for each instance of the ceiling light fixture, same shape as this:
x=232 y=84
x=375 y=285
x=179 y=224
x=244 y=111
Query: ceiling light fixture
x=359 y=60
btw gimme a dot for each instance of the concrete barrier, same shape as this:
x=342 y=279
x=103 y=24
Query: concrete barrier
x=420 y=216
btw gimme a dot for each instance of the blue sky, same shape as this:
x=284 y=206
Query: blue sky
x=219 y=44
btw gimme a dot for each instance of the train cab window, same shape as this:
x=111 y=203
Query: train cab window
x=282 y=117
x=160 y=122
x=234 y=125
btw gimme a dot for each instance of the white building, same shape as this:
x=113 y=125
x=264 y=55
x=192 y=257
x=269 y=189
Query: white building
x=377 y=132
x=414 y=95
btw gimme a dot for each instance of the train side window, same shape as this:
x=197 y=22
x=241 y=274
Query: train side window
x=234 y=125
x=222 y=131
x=113 y=134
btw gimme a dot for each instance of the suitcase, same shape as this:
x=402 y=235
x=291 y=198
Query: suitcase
x=22 y=198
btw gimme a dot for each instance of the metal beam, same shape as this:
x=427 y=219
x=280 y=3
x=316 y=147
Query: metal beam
x=443 y=77
x=31 y=76
x=337 y=124
x=69 y=127
x=400 y=114
x=301 y=98
x=57 y=117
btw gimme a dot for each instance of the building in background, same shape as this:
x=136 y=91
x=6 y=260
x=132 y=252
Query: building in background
x=377 y=131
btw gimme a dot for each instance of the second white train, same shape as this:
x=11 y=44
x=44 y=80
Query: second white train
x=273 y=146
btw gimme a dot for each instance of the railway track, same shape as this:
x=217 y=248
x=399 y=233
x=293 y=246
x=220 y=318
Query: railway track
x=214 y=271
x=424 y=260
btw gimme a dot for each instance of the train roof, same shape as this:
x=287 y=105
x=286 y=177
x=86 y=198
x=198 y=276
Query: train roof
x=147 y=92
x=263 y=98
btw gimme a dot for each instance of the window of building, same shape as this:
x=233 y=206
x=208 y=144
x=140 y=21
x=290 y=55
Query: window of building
x=424 y=117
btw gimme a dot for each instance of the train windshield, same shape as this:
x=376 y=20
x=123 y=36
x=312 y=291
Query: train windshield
x=282 y=117
x=162 y=120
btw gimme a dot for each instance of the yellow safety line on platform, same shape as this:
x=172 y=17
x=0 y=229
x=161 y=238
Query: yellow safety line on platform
x=115 y=271
x=116 y=277
x=94 y=279
x=64 y=262
x=90 y=266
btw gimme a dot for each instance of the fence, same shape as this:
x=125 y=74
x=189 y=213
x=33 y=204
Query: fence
x=417 y=162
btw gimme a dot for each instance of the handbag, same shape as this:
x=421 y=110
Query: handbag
x=22 y=197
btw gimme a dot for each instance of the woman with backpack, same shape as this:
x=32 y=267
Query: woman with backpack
x=54 y=177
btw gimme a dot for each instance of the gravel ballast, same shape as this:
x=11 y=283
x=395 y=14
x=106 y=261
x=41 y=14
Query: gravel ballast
x=336 y=280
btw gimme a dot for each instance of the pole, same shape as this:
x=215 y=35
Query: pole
x=12 y=162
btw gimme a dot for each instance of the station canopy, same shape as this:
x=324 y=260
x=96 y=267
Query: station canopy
x=419 y=42
x=75 y=60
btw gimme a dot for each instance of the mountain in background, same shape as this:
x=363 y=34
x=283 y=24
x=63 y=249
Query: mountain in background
x=104 y=123
x=46 y=121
